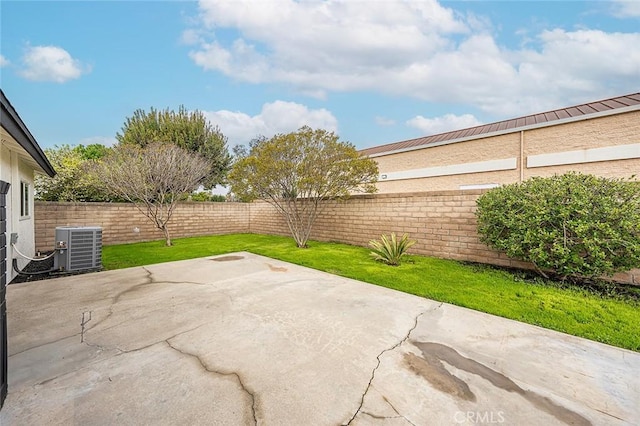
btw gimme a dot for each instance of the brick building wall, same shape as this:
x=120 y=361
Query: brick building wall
x=584 y=138
x=443 y=223
x=603 y=132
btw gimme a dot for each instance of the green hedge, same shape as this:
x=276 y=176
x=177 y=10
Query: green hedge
x=571 y=224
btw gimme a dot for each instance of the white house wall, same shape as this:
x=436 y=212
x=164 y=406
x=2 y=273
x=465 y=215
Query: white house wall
x=25 y=226
x=5 y=175
x=14 y=170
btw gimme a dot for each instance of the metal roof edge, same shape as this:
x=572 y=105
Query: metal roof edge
x=616 y=111
x=16 y=128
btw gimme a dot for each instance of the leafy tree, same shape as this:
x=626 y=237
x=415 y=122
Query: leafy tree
x=154 y=178
x=72 y=181
x=94 y=151
x=241 y=151
x=572 y=224
x=296 y=172
x=206 y=196
x=188 y=130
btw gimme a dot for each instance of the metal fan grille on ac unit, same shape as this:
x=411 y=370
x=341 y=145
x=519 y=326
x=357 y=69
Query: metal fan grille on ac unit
x=84 y=248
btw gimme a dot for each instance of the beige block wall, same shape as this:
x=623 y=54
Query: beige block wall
x=443 y=223
x=620 y=129
x=124 y=223
x=264 y=219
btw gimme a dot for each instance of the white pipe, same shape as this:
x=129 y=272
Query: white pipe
x=31 y=258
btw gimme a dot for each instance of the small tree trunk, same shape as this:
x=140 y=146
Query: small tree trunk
x=167 y=237
x=301 y=242
x=294 y=228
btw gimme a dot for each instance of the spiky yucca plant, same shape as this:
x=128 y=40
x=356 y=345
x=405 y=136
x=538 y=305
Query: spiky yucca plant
x=390 y=249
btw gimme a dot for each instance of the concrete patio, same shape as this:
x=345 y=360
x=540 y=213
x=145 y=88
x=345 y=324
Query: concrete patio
x=243 y=339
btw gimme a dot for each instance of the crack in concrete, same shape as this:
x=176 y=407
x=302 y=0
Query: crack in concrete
x=119 y=351
x=611 y=415
x=116 y=298
x=152 y=280
x=221 y=373
x=84 y=321
x=391 y=405
x=366 y=413
x=128 y=351
x=373 y=372
x=149 y=280
x=101 y=348
x=44 y=344
x=394 y=408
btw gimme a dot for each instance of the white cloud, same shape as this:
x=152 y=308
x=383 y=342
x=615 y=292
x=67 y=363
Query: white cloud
x=275 y=117
x=626 y=8
x=220 y=190
x=3 y=61
x=191 y=36
x=319 y=46
x=51 y=63
x=243 y=61
x=408 y=48
x=384 y=121
x=575 y=66
x=445 y=123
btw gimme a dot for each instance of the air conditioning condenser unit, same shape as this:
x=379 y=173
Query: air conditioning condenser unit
x=78 y=248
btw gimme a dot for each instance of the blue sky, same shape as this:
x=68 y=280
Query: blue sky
x=374 y=71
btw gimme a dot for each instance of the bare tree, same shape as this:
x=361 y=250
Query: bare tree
x=154 y=178
x=296 y=172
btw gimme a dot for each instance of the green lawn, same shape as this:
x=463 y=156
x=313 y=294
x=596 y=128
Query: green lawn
x=611 y=320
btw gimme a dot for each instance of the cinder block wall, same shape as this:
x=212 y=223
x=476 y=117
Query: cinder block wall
x=124 y=223
x=443 y=223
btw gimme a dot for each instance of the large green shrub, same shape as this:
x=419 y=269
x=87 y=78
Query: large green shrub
x=572 y=224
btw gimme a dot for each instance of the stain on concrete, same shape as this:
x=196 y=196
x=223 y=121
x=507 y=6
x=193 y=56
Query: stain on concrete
x=277 y=268
x=373 y=373
x=148 y=280
x=430 y=366
x=227 y=258
x=434 y=372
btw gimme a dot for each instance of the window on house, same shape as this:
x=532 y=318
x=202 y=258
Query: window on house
x=24 y=199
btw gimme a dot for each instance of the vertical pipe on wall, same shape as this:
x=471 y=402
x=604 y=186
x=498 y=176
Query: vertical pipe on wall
x=522 y=155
